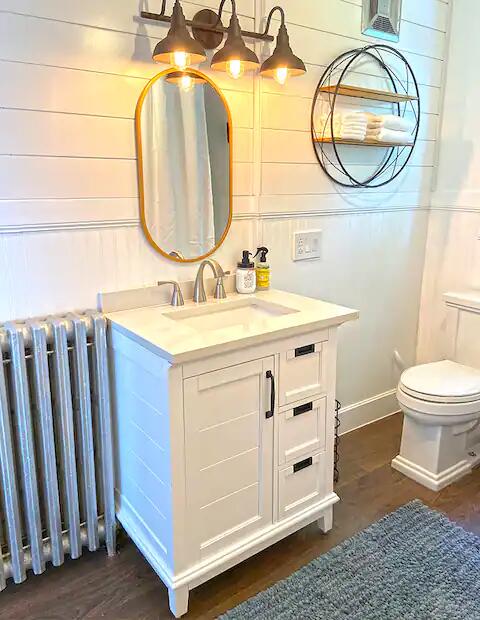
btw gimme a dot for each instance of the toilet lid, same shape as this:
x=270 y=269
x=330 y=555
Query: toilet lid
x=442 y=381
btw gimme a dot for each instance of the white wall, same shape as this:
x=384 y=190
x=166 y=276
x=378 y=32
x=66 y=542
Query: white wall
x=71 y=73
x=453 y=247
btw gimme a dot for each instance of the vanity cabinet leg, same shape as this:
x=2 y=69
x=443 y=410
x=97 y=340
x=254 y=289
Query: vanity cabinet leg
x=178 y=601
x=325 y=523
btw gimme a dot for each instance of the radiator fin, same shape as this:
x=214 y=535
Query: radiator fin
x=9 y=480
x=85 y=431
x=105 y=428
x=26 y=449
x=42 y=391
x=63 y=397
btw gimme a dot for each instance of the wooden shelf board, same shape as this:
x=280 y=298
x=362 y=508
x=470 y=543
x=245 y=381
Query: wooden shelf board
x=368 y=93
x=361 y=142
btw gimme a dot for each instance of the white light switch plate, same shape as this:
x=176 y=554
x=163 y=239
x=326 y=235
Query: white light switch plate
x=307 y=244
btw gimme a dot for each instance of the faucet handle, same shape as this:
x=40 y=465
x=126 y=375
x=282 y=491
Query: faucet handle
x=219 y=288
x=177 y=297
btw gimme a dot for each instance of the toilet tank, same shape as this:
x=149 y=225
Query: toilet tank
x=463 y=327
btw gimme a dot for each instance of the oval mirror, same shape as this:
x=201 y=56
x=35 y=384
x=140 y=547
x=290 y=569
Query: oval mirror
x=184 y=150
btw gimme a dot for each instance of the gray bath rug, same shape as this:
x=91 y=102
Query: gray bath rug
x=413 y=564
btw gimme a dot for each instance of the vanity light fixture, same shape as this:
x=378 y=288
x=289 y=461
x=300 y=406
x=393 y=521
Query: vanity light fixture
x=282 y=63
x=235 y=57
x=178 y=48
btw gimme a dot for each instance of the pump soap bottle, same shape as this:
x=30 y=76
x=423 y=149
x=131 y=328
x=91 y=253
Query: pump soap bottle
x=262 y=270
x=245 y=278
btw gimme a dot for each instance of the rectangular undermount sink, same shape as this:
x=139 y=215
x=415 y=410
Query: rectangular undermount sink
x=215 y=316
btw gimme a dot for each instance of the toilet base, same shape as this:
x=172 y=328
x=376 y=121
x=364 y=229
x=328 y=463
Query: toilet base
x=432 y=481
x=435 y=456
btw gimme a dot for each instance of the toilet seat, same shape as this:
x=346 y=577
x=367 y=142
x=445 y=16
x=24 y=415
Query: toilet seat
x=444 y=382
x=442 y=412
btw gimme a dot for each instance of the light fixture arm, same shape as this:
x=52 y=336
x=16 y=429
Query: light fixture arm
x=269 y=18
x=164 y=7
x=220 y=9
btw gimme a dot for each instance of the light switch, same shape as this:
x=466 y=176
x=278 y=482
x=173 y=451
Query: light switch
x=307 y=244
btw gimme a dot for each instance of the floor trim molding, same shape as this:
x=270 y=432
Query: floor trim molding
x=364 y=412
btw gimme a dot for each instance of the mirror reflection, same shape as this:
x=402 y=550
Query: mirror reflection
x=183 y=134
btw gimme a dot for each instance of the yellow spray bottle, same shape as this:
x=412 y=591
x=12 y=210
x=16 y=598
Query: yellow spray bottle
x=262 y=269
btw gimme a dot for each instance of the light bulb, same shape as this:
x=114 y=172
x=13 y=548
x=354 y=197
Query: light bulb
x=186 y=83
x=235 y=68
x=181 y=60
x=280 y=75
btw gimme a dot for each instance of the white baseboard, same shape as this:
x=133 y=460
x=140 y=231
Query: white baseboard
x=367 y=411
x=435 y=482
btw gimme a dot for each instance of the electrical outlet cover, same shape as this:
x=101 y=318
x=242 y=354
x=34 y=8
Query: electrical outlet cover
x=307 y=244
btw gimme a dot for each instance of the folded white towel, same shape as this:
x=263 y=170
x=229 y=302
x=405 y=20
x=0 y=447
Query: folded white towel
x=345 y=126
x=341 y=133
x=345 y=135
x=390 y=135
x=355 y=116
x=361 y=126
x=391 y=121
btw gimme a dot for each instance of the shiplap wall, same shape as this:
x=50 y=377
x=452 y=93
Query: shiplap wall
x=453 y=247
x=71 y=73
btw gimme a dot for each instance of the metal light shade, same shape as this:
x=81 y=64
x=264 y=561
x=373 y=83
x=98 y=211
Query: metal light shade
x=283 y=58
x=235 y=49
x=178 y=39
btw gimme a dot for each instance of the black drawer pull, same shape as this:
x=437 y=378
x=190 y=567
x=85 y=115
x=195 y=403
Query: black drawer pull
x=303 y=409
x=306 y=350
x=271 y=411
x=302 y=465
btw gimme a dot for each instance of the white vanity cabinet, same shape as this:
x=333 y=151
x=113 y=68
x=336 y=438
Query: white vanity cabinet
x=222 y=454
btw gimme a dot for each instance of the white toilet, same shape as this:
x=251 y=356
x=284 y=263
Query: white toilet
x=441 y=403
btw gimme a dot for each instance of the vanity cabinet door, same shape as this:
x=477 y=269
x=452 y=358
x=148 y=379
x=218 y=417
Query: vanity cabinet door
x=229 y=454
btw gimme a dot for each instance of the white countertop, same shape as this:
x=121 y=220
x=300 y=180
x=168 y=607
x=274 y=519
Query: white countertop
x=178 y=342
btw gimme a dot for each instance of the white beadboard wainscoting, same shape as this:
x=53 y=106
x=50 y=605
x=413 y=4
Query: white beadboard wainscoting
x=71 y=74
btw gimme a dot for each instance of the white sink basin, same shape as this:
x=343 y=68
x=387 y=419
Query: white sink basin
x=219 y=315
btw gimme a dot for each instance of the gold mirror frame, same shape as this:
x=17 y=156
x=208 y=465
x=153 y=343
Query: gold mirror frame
x=141 y=190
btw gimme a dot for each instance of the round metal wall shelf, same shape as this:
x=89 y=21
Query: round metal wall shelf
x=385 y=65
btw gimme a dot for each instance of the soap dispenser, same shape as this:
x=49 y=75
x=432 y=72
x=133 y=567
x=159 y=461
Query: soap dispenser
x=245 y=277
x=262 y=269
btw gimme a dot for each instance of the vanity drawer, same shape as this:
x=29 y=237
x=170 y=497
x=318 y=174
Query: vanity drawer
x=300 y=485
x=301 y=430
x=301 y=373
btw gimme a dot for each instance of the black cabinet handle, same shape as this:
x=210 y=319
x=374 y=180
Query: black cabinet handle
x=306 y=350
x=269 y=414
x=302 y=465
x=302 y=409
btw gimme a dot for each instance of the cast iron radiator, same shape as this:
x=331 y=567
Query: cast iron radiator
x=56 y=461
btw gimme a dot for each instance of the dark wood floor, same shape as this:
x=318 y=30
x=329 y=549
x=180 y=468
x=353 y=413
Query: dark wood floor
x=125 y=587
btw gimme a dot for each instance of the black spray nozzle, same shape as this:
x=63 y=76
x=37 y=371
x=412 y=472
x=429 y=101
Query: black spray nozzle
x=263 y=251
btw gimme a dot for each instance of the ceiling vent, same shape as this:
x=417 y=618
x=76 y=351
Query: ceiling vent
x=382 y=18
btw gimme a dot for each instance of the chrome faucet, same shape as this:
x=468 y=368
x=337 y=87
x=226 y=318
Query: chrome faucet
x=177 y=297
x=199 y=295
